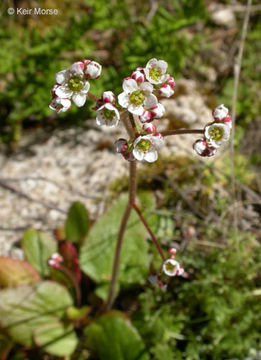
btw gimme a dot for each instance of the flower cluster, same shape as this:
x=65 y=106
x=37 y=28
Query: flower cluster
x=55 y=261
x=215 y=133
x=142 y=90
x=72 y=84
x=140 y=96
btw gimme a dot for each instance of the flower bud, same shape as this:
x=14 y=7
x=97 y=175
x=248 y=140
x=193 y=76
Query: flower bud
x=171 y=82
x=55 y=260
x=121 y=146
x=138 y=75
x=172 y=251
x=93 y=70
x=157 y=111
x=165 y=91
x=220 y=112
x=145 y=117
x=149 y=127
x=108 y=96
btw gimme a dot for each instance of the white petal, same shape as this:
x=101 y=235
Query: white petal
x=79 y=99
x=124 y=100
x=150 y=101
x=86 y=87
x=151 y=156
x=152 y=62
x=136 y=110
x=162 y=65
x=138 y=154
x=129 y=85
x=100 y=118
x=61 y=76
x=63 y=92
x=146 y=87
x=76 y=70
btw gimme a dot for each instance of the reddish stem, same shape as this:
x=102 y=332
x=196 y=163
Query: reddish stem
x=153 y=238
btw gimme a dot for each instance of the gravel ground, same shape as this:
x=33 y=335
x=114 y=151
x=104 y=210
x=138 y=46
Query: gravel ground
x=40 y=181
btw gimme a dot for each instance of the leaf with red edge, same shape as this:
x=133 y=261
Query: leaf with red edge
x=71 y=259
x=15 y=272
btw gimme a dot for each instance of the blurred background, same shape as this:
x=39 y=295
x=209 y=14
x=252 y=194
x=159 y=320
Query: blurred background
x=209 y=210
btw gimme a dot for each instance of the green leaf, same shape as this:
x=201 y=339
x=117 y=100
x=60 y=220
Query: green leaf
x=15 y=272
x=56 y=338
x=113 y=337
x=97 y=253
x=38 y=247
x=74 y=313
x=24 y=308
x=77 y=222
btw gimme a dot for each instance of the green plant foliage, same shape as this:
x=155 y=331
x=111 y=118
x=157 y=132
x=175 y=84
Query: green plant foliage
x=38 y=247
x=215 y=313
x=77 y=223
x=97 y=253
x=26 y=308
x=56 y=338
x=113 y=337
x=15 y=272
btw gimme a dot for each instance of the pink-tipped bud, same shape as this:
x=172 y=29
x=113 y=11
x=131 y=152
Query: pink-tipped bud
x=227 y=121
x=145 y=117
x=108 y=96
x=149 y=127
x=138 y=75
x=93 y=70
x=121 y=146
x=55 y=261
x=165 y=91
x=171 y=82
x=157 y=111
x=173 y=251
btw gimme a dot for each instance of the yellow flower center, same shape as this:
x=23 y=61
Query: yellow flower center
x=144 y=145
x=216 y=133
x=137 y=97
x=75 y=84
x=155 y=73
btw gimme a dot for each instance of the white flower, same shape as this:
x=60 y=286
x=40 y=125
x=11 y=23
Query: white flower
x=72 y=84
x=220 y=112
x=155 y=71
x=149 y=127
x=171 y=267
x=136 y=97
x=166 y=90
x=216 y=134
x=157 y=111
x=108 y=115
x=145 y=147
x=93 y=70
x=60 y=105
x=203 y=149
x=108 y=96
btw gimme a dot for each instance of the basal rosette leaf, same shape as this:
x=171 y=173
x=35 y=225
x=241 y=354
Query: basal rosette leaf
x=24 y=308
x=56 y=338
x=38 y=247
x=97 y=253
x=77 y=223
x=113 y=337
x=15 y=272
